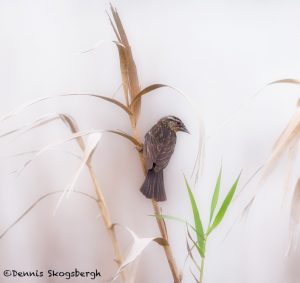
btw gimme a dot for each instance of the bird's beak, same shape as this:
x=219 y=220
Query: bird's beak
x=184 y=129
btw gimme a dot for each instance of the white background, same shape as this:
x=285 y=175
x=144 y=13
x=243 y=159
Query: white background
x=218 y=52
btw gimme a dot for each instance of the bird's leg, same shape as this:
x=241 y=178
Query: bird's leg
x=140 y=147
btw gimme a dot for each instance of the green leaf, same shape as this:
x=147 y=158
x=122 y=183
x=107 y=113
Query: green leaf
x=197 y=219
x=224 y=207
x=170 y=217
x=215 y=197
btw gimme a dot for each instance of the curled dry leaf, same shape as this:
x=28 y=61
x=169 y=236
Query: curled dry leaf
x=137 y=247
x=294 y=218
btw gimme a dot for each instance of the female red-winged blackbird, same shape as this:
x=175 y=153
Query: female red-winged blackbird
x=157 y=149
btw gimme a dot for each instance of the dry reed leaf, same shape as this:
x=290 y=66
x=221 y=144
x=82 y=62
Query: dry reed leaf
x=124 y=73
x=57 y=143
x=21 y=108
x=294 y=218
x=35 y=203
x=40 y=121
x=285 y=81
x=127 y=64
x=97 y=45
x=289 y=170
x=190 y=254
x=138 y=246
x=247 y=102
x=288 y=137
x=31 y=152
x=194 y=276
x=90 y=147
x=114 y=101
x=250 y=99
x=145 y=91
x=129 y=137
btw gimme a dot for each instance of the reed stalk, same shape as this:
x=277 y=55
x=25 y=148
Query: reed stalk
x=132 y=91
x=100 y=200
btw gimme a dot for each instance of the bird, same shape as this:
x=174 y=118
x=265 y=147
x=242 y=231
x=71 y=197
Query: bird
x=158 y=147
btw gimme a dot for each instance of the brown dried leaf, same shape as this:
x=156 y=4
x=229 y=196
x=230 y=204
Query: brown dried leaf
x=144 y=91
x=127 y=63
x=161 y=241
x=19 y=109
x=114 y=101
x=124 y=72
x=285 y=81
x=131 y=138
x=197 y=281
x=190 y=254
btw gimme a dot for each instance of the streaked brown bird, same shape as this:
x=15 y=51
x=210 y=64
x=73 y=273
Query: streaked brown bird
x=157 y=150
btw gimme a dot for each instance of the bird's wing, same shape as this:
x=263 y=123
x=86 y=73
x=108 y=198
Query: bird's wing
x=151 y=150
x=158 y=147
x=166 y=150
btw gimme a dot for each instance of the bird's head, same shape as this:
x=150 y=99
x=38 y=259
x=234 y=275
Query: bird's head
x=175 y=124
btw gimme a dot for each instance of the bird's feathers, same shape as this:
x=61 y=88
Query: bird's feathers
x=157 y=150
x=158 y=147
x=153 y=186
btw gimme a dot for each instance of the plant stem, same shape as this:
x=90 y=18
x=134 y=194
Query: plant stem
x=107 y=221
x=159 y=220
x=202 y=270
x=100 y=200
x=131 y=89
x=203 y=258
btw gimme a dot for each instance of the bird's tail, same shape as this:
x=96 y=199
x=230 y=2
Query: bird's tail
x=153 y=186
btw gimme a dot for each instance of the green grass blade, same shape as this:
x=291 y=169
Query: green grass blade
x=215 y=197
x=224 y=206
x=170 y=217
x=197 y=219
